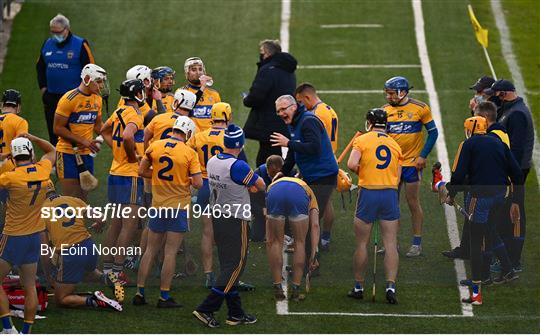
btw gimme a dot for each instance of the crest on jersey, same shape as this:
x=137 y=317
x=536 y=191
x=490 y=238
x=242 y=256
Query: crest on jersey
x=70 y=54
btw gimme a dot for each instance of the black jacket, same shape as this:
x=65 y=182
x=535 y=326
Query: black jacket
x=516 y=118
x=275 y=77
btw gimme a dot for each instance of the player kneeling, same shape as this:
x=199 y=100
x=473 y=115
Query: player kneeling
x=376 y=158
x=291 y=198
x=74 y=255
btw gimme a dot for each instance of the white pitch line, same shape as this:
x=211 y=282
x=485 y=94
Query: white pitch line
x=352 y=25
x=442 y=151
x=384 y=314
x=513 y=66
x=285 y=20
x=358 y=66
x=359 y=91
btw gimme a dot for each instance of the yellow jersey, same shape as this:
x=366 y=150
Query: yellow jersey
x=207 y=144
x=329 y=118
x=379 y=162
x=144 y=108
x=11 y=126
x=173 y=162
x=405 y=126
x=312 y=199
x=120 y=165
x=202 y=115
x=26 y=188
x=82 y=111
x=161 y=126
x=65 y=230
x=167 y=101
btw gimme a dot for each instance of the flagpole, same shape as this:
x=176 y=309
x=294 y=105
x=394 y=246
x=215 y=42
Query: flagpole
x=489 y=63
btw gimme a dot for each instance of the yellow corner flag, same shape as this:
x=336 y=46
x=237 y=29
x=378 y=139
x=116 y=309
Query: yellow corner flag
x=481 y=33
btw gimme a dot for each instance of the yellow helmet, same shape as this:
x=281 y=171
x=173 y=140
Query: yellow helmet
x=475 y=125
x=344 y=181
x=221 y=111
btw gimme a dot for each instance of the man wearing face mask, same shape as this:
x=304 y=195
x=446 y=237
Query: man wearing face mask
x=514 y=115
x=480 y=87
x=62 y=57
x=275 y=77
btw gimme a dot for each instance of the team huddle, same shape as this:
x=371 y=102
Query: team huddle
x=173 y=149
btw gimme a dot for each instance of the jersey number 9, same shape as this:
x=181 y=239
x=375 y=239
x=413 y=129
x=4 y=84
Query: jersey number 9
x=384 y=155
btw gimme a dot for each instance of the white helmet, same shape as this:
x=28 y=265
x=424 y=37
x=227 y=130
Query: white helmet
x=21 y=146
x=184 y=99
x=193 y=61
x=141 y=72
x=94 y=71
x=185 y=125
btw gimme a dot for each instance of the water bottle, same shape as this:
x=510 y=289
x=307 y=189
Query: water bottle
x=208 y=83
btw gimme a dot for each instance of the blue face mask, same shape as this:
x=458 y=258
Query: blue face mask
x=59 y=38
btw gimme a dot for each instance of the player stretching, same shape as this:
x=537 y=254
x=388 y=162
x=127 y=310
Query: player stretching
x=376 y=158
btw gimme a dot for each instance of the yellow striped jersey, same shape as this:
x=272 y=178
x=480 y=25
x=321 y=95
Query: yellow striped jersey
x=329 y=118
x=11 y=126
x=173 y=162
x=379 y=162
x=144 y=108
x=26 y=187
x=82 y=111
x=67 y=231
x=161 y=126
x=118 y=120
x=405 y=126
x=207 y=144
x=167 y=101
x=202 y=111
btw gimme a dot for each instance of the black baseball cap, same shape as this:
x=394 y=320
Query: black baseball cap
x=482 y=83
x=501 y=85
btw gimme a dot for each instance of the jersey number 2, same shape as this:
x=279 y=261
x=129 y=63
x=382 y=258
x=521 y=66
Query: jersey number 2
x=165 y=169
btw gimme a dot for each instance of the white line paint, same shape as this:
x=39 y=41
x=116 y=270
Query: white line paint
x=513 y=66
x=359 y=91
x=285 y=20
x=352 y=25
x=282 y=307
x=358 y=66
x=397 y=315
x=442 y=151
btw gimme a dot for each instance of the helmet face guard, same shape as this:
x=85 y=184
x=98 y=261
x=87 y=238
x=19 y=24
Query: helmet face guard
x=399 y=85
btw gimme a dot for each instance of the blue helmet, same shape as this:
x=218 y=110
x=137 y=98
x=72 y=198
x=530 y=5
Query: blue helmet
x=397 y=84
x=161 y=72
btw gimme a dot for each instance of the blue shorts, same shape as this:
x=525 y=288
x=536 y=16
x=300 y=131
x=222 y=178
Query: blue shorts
x=287 y=200
x=179 y=223
x=125 y=190
x=410 y=174
x=66 y=165
x=19 y=250
x=482 y=206
x=76 y=261
x=203 y=195
x=373 y=205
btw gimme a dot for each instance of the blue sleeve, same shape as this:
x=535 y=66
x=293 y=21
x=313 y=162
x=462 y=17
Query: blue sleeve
x=312 y=138
x=242 y=175
x=433 y=133
x=3 y=195
x=458 y=179
x=517 y=123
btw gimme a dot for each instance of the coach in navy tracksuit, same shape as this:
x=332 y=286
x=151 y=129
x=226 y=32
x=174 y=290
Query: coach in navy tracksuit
x=487 y=163
x=309 y=148
x=62 y=57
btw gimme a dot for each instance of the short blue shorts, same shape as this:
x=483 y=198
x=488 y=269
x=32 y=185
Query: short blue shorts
x=179 y=223
x=125 y=190
x=19 y=250
x=410 y=174
x=76 y=261
x=203 y=195
x=373 y=205
x=66 y=165
x=287 y=200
